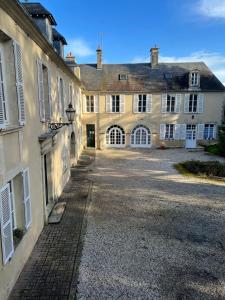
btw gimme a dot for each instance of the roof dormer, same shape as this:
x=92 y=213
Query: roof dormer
x=194 y=79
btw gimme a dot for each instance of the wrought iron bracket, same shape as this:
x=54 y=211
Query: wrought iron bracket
x=56 y=126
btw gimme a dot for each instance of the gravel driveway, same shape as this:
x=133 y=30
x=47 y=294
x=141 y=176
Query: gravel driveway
x=152 y=233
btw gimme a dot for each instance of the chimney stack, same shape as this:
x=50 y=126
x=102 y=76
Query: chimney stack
x=154 y=57
x=99 y=58
x=71 y=63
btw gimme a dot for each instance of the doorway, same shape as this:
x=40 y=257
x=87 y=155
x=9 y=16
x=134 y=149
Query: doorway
x=191 y=136
x=90 y=129
x=72 y=149
x=48 y=179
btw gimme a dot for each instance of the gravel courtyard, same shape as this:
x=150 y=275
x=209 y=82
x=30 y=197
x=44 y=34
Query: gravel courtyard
x=152 y=233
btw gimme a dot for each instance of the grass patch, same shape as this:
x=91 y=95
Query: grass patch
x=203 y=169
x=214 y=149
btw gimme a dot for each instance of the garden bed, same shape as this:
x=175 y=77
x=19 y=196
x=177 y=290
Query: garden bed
x=206 y=169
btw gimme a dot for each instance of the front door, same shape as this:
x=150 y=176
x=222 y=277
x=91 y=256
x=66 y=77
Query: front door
x=90 y=135
x=191 y=136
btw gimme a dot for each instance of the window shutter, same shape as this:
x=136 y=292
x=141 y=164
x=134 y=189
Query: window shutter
x=59 y=97
x=96 y=99
x=149 y=103
x=2 y=96
x=41 y=91
x=201 y=128
x=164 y=103
x=201 y=103
x=85 y=103
x=135 y=103
x=49 y=115
x=19 y=82
x=177 y=132
x=178 y=103
x=122 y=103
x=186 y=103
x=6 y=224
x=162 y=131
x=26 y=198
x=108 y=103
x=183 y=131
x=214 y=132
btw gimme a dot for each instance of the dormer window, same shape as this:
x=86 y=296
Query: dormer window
x=195 y=79
x=123 y=77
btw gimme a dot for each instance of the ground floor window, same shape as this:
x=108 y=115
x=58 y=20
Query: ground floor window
x=115 y=136
x=169 y=133
x=15 y=213
x=141 y=136
x=209 y=131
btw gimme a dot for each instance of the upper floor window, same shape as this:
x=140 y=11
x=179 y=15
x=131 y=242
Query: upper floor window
x=171 y=103
x=209 y=131
x=91 y=104
x=44 y=91
x=11 y=82
x=3 y=104
x=115 y=103
x=123 y=77
x=194 y=103
x=195 y=79
x=142 y=103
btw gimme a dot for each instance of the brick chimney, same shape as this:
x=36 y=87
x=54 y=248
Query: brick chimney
x=154 y=57
x=99 y=58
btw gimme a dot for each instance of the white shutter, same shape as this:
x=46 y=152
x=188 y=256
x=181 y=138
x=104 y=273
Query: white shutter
x=135 y=103
x=149 y=103
x=26 y=198
x=84 y=103
x=186 y=103
x=201 y=103
x=183 y=131
x=162 y=131
x=2 y=94
x=214 y=132
x=122 y=103
x=201 y=128
x=49 y=116
x=6 y=224
x=96 y=107
x=41 y=97
x=19 y=82
x=108 y=103
x=59 y=96
x=177 y=132
x=164 y=103
x=178 y=103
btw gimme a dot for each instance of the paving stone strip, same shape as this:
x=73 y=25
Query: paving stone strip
x=50 y=272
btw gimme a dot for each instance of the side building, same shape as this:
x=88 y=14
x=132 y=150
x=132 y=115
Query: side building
x=37 y=87
x=151 y=104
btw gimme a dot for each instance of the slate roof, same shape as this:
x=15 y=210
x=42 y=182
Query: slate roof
x=142 y=78
x=58 y=37
x=36 y=9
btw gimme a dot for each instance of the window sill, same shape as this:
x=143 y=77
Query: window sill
x=10 y=129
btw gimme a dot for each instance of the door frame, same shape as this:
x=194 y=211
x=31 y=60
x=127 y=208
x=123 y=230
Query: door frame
x=191 y=143
x=94 y=139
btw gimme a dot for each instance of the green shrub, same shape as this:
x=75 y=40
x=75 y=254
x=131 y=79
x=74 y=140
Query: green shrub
x=221 y=135
x=205 y=168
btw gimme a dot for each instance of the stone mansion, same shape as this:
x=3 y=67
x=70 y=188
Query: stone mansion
x=51 y=108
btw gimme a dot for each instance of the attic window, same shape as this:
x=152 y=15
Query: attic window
x=168 y=75
x=123 y=77
x=195 y=78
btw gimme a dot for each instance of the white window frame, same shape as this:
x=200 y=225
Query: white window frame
x=27 y=198
x=169 y=132
x=61 y=95
x=115 y=96
x=208 y=133
x=90 y=103
x=122 y=137
x=193 y=101
x=133 y=138
x=13 y=207
x=195 y=79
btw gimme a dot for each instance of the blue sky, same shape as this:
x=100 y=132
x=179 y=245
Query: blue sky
x=185 y=30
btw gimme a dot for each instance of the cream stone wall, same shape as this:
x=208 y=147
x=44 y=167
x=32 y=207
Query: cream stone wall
x=213 y=113
x=20 y=147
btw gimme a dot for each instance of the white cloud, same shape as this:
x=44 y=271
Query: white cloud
x=79 y=48
x=215 y=61
x=211 y=8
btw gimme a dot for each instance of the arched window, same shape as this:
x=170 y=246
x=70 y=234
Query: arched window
x=141 y=137
x=115 y=136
